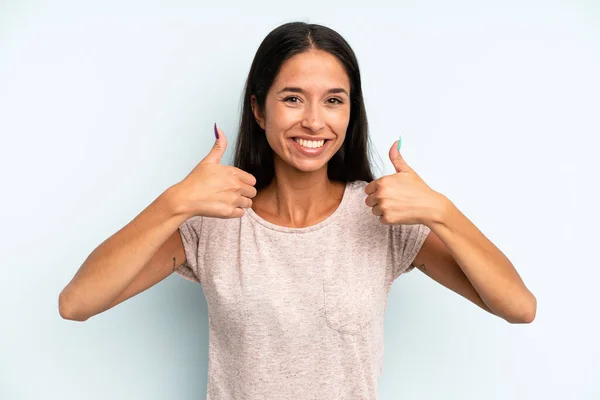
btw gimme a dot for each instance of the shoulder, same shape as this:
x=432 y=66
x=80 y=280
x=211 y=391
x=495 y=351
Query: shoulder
x=355 y=196
x=203 y=226
x=356 y=210
x=356 y=190
x=358 y=185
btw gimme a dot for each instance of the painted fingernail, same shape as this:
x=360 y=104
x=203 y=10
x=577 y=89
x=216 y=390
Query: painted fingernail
x=216 y=132
x=399 y=142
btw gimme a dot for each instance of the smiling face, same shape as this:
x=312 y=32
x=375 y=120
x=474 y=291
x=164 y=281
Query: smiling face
x=307 y=111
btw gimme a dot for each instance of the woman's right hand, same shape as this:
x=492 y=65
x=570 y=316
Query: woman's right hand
x=215 y=190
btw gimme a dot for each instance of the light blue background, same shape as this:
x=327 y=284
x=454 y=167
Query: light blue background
x=104 y=105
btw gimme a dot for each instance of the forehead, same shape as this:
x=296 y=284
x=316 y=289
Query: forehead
x=314 y=69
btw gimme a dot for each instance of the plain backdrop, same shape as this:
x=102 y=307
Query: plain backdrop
x=104 y=105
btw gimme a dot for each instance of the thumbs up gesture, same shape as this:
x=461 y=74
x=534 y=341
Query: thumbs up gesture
x=403 y=197
x=215 y=190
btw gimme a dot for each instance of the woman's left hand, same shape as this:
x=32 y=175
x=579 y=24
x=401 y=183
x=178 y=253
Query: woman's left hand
x=403 y=197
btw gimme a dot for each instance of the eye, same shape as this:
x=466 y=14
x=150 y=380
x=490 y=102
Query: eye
x=287 y=99
x=335 y=101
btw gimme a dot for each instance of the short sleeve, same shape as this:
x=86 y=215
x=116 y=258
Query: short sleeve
x=405 y=243
x=190 y=234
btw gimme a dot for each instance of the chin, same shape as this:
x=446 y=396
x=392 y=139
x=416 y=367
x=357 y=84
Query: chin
x=308 y=166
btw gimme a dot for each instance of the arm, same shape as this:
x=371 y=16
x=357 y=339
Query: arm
x=457 y=255
x=138 y=256
x=149 y=248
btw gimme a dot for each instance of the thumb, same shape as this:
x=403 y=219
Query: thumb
x=396 y=158
x=217 y=151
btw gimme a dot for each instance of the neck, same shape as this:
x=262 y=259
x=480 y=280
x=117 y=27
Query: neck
x=296 y=198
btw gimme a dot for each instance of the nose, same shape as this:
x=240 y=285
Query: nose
x=313 y=118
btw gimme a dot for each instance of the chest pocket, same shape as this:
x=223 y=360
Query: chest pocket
x=354 y=278
x=344 y=307
x=353 y=296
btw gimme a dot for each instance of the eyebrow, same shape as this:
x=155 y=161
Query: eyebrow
x=300 y=90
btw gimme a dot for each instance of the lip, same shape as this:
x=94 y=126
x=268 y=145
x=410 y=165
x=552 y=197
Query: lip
x=306 y=151
x=310 y=138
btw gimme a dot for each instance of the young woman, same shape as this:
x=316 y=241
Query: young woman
x=297 y=245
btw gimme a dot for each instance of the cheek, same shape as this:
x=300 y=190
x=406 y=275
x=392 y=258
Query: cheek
x=281 y=118
x=339 y=124
x=277 y=126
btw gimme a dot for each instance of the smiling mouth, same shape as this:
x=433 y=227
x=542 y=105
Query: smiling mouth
x=311 y=144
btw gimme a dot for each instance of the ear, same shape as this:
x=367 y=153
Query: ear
x=256 y=111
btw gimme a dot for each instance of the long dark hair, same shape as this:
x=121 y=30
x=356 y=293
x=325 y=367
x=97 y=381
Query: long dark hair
x=253 y=153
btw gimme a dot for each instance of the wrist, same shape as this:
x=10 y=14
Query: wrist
x=172 y=200
x=440 y=209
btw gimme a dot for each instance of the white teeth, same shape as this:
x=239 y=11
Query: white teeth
x=311 y=144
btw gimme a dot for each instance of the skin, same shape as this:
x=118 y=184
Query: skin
x=301 y=193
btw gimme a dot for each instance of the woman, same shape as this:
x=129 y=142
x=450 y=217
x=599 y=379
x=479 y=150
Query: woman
x=297 y=245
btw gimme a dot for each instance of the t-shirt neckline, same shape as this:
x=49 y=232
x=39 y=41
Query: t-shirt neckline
x=286 y=229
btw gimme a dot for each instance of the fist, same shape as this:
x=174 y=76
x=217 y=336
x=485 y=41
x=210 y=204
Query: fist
x=403 y=197
x=215 y=190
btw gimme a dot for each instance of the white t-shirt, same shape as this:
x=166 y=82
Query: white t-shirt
x=297 y=313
